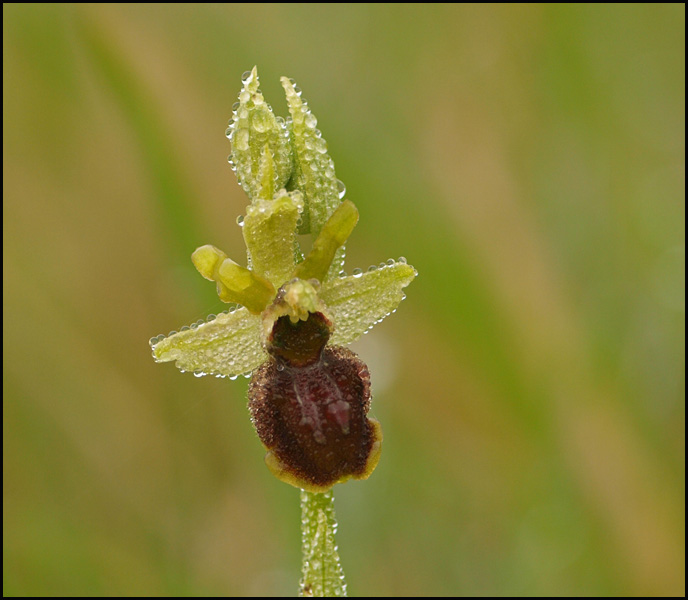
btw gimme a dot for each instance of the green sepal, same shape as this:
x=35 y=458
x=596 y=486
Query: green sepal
x=332 y=236
x=270 y=234
x=254 y=130
x=314 y=173
x=357 y=302
x=229 y=345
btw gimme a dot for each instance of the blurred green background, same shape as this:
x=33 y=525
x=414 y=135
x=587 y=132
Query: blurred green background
x=527 y=160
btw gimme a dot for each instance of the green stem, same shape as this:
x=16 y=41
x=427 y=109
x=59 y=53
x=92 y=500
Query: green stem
x=321 y=573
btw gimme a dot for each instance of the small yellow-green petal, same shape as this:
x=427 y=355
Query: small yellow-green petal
x=234 y=283
x=359 y=301
x=207 y=260
x=314 y=173
x=237 y=284
x=270 y=234
x=253 y=130
x=335 y=232
x=229 y=345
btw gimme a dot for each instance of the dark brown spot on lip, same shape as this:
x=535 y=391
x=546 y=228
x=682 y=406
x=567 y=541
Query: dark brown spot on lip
x=299 y=344
x=313 y=419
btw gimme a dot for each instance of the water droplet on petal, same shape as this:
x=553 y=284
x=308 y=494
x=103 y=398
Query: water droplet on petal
x=261 y=121
x=357 y=273
x=241 y=139
x=390 y=262
x=240 y=220
x=402 y=260
x=341 y=188
x=311 y=121
x=372 y=268
x=320 y=146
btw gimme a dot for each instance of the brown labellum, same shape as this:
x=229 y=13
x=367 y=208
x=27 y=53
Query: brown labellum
x=309 y=404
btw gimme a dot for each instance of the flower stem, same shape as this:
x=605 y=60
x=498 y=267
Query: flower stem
x=322 y=573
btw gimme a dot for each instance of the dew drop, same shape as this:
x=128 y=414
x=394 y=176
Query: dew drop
x=233 y=377
x=171 y=333
x=402 y=260
x=311 y=121
x=320 y=146
x=228 y=132
x=153 y=341
x=390 y=262
x=245 y=76
x=198 y=373
x=240 y=220
x=341 y=188
x=261 y=122
x=241 y=139
x=235 y=106
x=372 y=268
x=185 y=328
x=357 y=273
x=210 y=318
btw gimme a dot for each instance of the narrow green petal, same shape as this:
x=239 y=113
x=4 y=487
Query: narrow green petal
x=234 y=283
x=207 y=260
x=253 y=130
x=359 y=301
x=335 y=232
x=313 y=168
x=238 y=284
x=229 y=345
x=270 y=234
